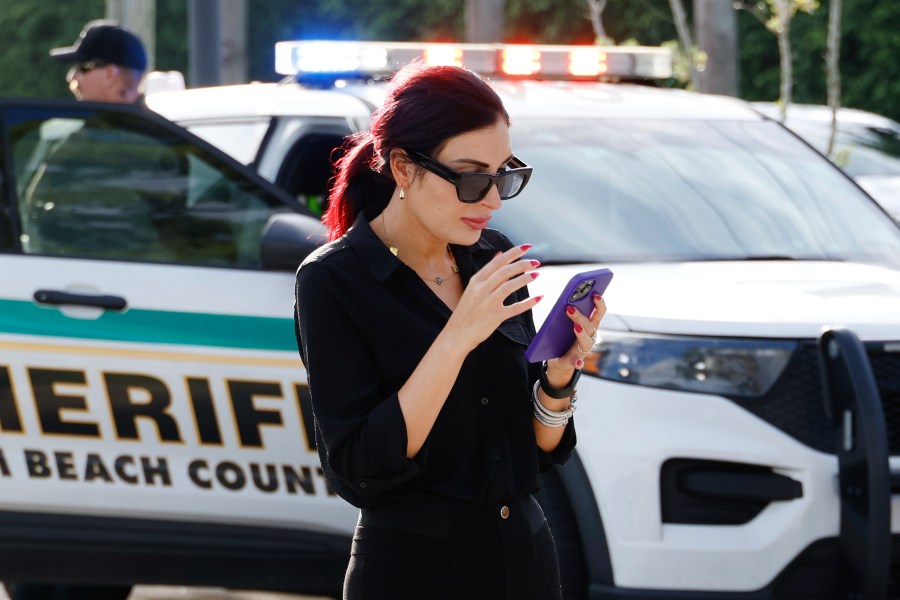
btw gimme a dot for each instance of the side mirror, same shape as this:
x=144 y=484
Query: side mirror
x=288 y=238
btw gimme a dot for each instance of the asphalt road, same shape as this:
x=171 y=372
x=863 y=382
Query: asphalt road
x=144 y=592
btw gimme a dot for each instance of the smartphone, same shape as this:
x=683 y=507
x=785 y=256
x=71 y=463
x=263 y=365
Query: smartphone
x=556 y=334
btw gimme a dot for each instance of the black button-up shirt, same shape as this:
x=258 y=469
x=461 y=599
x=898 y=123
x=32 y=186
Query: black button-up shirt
x=364 y=320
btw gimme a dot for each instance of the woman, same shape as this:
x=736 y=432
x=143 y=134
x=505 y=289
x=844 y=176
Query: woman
x=412 y=324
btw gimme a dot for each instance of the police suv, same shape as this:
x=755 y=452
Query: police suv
x=739 y=421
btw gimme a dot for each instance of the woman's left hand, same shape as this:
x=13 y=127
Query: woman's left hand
x=585 y=328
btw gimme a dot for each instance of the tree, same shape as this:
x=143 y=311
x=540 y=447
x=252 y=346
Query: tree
x=687 y=44
x=832 y=59
x=596 y=9
x=777 y=16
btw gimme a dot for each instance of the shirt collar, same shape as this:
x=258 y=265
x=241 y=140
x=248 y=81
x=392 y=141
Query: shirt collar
x=379 y=260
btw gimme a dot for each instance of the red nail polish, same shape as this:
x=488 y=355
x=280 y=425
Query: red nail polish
x=534 y=275
x=570 y=310
x=525 y=247
x=535 y=263
x=577 y=328
x=538 y=299
x=579 y=364
x=596 y=296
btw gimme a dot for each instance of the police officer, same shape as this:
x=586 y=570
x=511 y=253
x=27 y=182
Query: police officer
x=108 y=63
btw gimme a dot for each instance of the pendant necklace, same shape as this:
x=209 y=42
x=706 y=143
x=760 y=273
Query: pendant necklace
x=437 y=278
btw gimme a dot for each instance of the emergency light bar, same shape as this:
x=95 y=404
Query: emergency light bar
x=321 y=60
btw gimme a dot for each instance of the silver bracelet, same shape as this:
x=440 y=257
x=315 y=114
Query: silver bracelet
x=550 y=418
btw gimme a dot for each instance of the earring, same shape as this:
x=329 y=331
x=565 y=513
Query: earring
x=402 y=194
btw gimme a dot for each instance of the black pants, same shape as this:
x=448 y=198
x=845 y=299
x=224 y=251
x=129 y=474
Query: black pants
x=447 y=550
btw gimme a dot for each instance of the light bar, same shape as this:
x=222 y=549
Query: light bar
x=342 y=60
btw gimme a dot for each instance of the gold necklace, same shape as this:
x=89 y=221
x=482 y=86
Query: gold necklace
x=391 y=247
x=437 y=278
x=454 y=270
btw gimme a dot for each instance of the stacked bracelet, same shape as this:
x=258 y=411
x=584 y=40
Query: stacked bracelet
x=550 y=418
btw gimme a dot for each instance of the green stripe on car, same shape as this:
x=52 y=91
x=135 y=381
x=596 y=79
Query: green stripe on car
x=151 y=327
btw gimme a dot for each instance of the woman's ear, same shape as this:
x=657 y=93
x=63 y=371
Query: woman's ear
x=401 y=168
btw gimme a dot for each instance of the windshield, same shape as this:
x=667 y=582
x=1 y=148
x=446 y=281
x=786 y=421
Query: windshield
x=639 y=190
x=859 y=149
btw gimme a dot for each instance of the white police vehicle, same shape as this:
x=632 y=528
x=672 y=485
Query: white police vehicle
x=154 y=421
x=866 y=145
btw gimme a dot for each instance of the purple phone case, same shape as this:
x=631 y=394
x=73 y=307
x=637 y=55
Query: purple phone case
x=556 y=334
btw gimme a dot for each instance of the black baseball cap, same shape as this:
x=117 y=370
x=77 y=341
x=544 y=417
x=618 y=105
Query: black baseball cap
x=105 y=41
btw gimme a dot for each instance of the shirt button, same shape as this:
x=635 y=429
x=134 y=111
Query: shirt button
x=495 y=457
x=504 y=512
x=363 y=484
x=484 y=401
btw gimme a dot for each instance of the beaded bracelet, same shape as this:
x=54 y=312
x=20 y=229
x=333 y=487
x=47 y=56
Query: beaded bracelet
x=550 y=418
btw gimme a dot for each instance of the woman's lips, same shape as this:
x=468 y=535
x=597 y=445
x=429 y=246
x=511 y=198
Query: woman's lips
x=477 y=224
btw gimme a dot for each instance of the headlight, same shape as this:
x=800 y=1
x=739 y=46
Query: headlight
x=729 y=367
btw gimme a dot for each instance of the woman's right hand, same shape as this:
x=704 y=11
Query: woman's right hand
x=481 y=309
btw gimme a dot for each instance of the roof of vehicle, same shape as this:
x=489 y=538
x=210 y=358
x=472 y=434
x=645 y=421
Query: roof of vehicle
x=254 y=99
x=523 y=98
x=822 y=113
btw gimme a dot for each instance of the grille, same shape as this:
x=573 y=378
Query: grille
x=796 y=405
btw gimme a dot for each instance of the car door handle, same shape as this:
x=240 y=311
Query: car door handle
x=59 y=298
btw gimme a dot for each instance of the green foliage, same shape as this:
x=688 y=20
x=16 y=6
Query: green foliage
x=870 y=71
x=568 y=21
x=30 y=28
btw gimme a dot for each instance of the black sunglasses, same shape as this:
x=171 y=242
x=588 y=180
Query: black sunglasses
x=90 y=65
x=473 y=187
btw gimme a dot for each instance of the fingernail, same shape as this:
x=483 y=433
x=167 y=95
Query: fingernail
x=579 y=364
x=534 y=275
x=596 y=296
x=525 y=247
x=535 y=263
x=570 y=310
x=498 y=254
x=577 y=328
x=538 y=299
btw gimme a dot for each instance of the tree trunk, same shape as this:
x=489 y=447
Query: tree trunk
x=596 y=7
x=832 y=64
x=484 y=21
x=715 y=23
x=783 y=12
x=684 y=37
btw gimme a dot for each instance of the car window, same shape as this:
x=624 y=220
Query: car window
x=239 y=138
x=859 y=149
x=113 y=185
x=636 y=190
x=7 y=236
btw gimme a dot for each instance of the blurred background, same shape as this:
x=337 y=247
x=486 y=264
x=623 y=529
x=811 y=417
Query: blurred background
x=734 y=44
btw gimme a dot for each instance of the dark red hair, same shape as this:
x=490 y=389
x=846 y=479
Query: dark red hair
x=424 y=107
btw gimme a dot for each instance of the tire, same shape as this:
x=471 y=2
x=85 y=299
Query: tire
x=561 y=518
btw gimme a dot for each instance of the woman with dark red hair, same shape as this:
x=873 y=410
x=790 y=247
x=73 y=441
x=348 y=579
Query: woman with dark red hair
x=412 y=323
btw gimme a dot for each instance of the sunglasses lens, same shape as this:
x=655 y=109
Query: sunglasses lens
x=510 y=184
x=473 y=187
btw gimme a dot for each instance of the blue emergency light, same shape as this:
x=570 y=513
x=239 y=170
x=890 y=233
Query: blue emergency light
x=328 y=61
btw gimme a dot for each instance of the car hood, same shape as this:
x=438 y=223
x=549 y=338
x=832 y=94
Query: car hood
x=773 y=299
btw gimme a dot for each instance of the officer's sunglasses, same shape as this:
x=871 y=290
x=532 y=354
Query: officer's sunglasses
x=473 y=187
x=90 y=65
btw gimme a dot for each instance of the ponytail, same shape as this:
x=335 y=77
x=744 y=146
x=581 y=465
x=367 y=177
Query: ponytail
x=360 y=184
